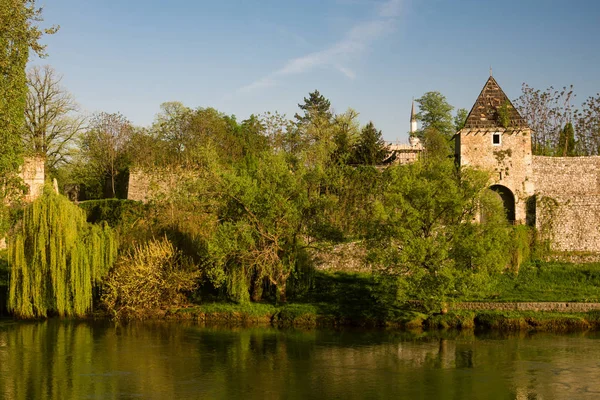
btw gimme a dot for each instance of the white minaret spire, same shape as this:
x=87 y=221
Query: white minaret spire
x=413 y=119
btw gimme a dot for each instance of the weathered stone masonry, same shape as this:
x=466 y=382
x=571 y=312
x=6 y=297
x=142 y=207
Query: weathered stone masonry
x=568 y=201
x=560 y=195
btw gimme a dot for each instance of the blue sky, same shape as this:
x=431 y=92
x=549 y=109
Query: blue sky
x=245 y=57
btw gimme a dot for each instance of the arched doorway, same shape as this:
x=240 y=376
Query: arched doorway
x=508 y=199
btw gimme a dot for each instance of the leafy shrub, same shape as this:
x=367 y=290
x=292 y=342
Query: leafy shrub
x=151 y=276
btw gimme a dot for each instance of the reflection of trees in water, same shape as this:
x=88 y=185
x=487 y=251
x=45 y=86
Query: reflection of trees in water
x=60 y=360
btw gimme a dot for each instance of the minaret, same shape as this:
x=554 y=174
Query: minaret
x=413 y=120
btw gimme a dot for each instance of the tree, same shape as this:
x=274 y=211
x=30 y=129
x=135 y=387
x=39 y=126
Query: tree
x=546 y=113
x=423 y=234
x=460 y=119
x=436 y=145
x=370 y=149
x=151 y=276
x=315 y=104
x=346 y=135
x=566 y=141
x=259 y=237
x=275 y=126
x=19 y=34
x=587 y=126
x=435 y=113
x=105 y=149
x=56 y=259
x=51 y=122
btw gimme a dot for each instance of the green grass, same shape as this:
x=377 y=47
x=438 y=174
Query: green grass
x=551 y=281
x=249 y=309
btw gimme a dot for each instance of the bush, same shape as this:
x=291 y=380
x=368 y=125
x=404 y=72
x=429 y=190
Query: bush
x=152 y=276
x=115 y=212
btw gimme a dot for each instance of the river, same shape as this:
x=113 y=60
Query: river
x=173 y=360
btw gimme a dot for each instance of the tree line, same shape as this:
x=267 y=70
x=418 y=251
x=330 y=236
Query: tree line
x=253 y=200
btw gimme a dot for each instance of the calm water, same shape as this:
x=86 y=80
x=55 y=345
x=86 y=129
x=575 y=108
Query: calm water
x=61 y=360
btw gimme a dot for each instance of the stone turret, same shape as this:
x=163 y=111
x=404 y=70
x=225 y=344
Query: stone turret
x=413 y=120
x=497 y=139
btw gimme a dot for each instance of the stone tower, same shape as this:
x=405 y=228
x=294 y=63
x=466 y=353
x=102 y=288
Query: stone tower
x=413 y=120
x=497 y=139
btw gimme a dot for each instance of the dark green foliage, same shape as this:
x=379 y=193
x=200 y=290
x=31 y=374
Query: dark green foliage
x=115 y=212
x=356 y=298
x=566 y=141
x=371 y=149
x=460 y=119
x=130 y=219
x=300 y=315
x=437 y=146
x=316 y=105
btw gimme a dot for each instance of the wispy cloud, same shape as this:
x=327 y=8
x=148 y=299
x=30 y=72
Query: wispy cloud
x=355 y=41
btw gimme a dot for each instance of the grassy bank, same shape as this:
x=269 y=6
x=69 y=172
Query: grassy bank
x=315 y=315
x=549 y=281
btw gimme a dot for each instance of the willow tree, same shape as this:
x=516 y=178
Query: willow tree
x=56 y=258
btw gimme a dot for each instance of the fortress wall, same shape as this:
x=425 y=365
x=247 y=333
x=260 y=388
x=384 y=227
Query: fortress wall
x=510 y=163
x=139 y=185
x=568 y=202
x=33 y=172
x=144 y=185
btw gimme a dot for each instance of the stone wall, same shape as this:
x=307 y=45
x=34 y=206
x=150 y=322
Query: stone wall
x=33 y=174
x=509 y=162
x=568 y=202
x=144 y=185
x=139 y=185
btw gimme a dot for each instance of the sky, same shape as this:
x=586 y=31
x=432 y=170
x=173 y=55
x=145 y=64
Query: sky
x=250 y=57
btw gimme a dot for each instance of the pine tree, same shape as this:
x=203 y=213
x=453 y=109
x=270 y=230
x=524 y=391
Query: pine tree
x=371 y=149
x=56 y=258
x=315 y=105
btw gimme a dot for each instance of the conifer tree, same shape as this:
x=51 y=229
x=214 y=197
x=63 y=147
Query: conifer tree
x=566 y=141
x=315 y=105
x=56 y=258
x=371 y=148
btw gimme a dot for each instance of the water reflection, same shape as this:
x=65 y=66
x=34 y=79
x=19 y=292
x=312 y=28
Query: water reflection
x=62 y=360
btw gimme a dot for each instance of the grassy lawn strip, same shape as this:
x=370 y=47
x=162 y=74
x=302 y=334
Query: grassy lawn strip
x=552 y=281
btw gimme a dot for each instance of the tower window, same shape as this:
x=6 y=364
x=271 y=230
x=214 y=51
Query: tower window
x=496 y=139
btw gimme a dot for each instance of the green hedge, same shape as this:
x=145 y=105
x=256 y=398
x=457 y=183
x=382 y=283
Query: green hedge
x=115 y=212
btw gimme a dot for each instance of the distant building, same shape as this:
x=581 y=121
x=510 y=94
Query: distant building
x=407 y=153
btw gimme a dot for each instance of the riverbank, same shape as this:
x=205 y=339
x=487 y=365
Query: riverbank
x=320 y=315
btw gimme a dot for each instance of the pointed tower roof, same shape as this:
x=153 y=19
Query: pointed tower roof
x=413 y=116
x=493 y=109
